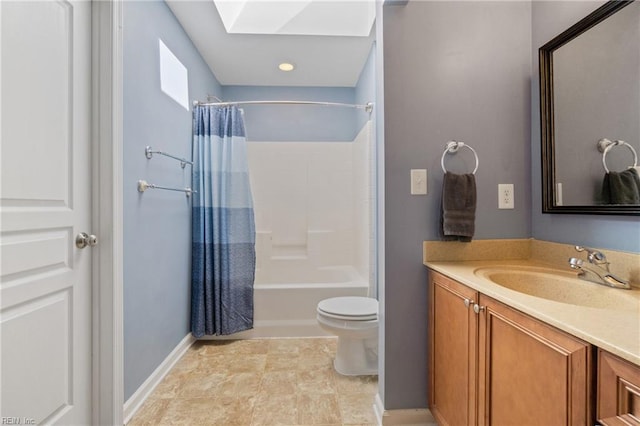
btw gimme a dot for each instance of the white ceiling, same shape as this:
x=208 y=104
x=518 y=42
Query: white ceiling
x=252 y=59
x=301 y=17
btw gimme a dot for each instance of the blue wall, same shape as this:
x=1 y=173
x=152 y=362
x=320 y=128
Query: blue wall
x=297 y=123
x=366 y=88
x=157 y=224
x=442 y=82
x=468 y=71
x=306 y=123
x=452 y=70
x=613 y=232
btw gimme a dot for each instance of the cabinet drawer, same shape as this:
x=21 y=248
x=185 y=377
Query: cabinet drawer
x=618 y=391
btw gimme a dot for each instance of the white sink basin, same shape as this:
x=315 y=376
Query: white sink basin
x=560 y=286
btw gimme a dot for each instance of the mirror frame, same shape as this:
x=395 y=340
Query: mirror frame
x=545 y=54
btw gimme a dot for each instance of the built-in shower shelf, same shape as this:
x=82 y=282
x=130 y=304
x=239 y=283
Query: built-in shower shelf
x=289 y=252
x=289 y=257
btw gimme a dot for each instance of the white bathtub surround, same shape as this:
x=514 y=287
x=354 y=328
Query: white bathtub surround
x=322 y=249
x=314 y=230
x=364 y=204
x=313 y=201
x=285 y=307
x=302 y=188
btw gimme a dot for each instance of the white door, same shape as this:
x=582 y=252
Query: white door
x=45 y=280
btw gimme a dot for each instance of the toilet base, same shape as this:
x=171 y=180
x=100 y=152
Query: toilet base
x=356 y=357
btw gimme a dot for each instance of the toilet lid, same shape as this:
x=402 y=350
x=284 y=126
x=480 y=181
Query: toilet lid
x=353 y=308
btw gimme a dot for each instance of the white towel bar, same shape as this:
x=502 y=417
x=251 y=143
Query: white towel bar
x=143 y=185
x=148 y=152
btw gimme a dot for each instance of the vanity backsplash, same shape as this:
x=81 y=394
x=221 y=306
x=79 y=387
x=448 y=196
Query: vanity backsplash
x=623 y=264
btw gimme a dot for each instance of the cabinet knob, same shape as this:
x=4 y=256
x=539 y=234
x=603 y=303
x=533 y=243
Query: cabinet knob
x=468 y=302
x=477 y=308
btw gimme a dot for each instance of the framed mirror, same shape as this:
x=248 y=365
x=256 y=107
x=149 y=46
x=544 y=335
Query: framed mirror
x=590 y=114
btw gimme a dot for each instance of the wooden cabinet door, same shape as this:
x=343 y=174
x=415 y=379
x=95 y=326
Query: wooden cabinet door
x=530 y=373
x=453 y=346
x=618 y=391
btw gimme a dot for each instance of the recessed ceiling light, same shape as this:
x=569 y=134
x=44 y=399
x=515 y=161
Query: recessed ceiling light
x=286 y=66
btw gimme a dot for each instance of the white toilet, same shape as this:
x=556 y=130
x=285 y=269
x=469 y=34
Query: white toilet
x=355 y=321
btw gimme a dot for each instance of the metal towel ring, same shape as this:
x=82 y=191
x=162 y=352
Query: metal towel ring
x=452 y=147
x=605 y=145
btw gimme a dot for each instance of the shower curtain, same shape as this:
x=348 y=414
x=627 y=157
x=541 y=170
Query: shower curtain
x=223 y=253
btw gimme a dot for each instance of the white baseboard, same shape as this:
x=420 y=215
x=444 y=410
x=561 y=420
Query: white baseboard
x=268 y=329
x=138 y=398
x=407 y=417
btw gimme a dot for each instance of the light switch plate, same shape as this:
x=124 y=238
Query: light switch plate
x=418 y=181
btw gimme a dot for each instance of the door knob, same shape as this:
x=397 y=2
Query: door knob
x=83 y=239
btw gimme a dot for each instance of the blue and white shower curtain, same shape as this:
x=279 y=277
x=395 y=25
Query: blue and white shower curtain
x=223 y=255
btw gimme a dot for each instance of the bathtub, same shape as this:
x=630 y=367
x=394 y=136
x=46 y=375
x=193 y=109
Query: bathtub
x=285 y=298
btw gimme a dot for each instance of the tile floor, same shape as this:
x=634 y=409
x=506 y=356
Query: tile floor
x=260 y=382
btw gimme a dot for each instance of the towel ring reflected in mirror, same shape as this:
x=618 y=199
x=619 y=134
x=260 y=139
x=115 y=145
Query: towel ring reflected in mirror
x=569 y=124
x=452 y=147
x=605 y=145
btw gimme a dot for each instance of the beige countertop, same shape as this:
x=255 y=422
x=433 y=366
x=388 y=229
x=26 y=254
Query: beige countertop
x=614 y=330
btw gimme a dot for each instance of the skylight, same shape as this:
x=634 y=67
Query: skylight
x=297 y=17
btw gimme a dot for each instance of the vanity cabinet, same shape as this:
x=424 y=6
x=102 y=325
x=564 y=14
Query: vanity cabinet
x=618 y=391
x=530 y=372
x=453 y=352
x=493 y=365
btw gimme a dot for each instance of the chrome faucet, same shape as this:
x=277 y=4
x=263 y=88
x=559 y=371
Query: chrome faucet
x=597 y=270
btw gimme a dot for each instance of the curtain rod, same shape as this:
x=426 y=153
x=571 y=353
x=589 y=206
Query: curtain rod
x=368 y=107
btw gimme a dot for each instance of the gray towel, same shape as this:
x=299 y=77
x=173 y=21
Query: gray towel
x=458 y=207
x=621 y=187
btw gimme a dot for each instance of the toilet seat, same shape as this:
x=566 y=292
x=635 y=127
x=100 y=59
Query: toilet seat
x=349 y=308
x=354 y=320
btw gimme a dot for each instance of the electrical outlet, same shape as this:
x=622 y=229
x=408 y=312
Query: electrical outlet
x=505 y=195
x=418 y=181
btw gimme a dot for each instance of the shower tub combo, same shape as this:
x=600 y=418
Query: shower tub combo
x=313 y=210
x=285 y=299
